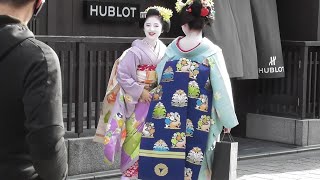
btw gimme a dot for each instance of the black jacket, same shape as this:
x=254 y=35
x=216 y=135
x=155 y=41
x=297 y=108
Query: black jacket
x=31 y=123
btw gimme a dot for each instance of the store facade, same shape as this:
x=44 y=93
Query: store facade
x=88 y=35
x=273 y=99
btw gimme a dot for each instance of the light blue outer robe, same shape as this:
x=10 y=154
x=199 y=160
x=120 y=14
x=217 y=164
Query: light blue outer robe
x=223 y=113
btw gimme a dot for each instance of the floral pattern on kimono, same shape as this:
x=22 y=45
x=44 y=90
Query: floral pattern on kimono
x=135 y=72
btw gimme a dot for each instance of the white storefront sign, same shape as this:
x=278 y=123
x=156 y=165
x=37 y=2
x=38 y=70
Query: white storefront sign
x=104 y=11
x=272 y=67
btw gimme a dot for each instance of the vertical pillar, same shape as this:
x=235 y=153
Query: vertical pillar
x=52 y=17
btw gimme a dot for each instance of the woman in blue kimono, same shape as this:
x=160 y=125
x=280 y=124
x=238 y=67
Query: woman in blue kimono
x=191 y=106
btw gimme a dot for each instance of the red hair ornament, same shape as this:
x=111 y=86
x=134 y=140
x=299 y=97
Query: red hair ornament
x=204 y=11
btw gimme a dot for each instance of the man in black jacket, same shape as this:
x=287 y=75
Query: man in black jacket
x=31 y=123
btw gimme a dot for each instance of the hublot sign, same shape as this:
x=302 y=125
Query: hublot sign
x=105 y=11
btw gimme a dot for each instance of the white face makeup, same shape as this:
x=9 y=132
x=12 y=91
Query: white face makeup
x=152 y=28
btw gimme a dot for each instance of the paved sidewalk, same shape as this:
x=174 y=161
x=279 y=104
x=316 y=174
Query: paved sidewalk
x=294 y=166
x=249 y=148
x=260 y=160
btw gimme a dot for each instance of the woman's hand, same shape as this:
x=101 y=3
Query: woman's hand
x=145 y=96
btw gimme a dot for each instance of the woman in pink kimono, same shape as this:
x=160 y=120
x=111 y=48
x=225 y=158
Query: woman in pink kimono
x=136 y=76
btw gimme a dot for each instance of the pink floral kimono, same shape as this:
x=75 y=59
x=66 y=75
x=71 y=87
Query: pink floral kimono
x=122 y=118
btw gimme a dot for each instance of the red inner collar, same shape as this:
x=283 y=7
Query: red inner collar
x=182 y=49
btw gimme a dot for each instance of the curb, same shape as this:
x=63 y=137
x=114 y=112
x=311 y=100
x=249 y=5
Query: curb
x=110 y=175
x=281 y=152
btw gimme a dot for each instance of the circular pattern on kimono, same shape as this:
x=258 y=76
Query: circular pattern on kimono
x=161 y=169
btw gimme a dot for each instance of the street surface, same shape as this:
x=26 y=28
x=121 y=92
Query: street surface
x=296 y=166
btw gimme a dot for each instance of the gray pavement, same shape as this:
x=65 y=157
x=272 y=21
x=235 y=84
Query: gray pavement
x=260 y=160
x=294 y=166
x=256 y=148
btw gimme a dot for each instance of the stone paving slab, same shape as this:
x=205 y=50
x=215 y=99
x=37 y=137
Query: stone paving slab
x=87 y=157
x=297 y=166
x=250 y=147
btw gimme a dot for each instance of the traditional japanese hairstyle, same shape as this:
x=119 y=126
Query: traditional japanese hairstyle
x=196 y=13
x=164 y=13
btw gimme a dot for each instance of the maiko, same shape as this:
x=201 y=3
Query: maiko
x=112 y=11
x=271 y=70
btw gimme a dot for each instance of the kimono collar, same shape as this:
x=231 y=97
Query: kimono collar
x=205 y=49
x=145 y=51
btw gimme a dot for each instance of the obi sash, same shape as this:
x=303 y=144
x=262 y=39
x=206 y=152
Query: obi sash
x=175 y=133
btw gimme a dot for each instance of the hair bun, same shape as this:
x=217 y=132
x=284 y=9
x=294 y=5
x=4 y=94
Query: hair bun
x=196 y=7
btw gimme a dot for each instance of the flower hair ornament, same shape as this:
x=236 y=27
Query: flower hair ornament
x=207 y=9
x=165 y=13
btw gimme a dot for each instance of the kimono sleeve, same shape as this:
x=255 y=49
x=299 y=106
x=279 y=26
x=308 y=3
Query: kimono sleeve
x=222 y=93
x=127 y=75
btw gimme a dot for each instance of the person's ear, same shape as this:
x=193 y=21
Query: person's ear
x=37 y=7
